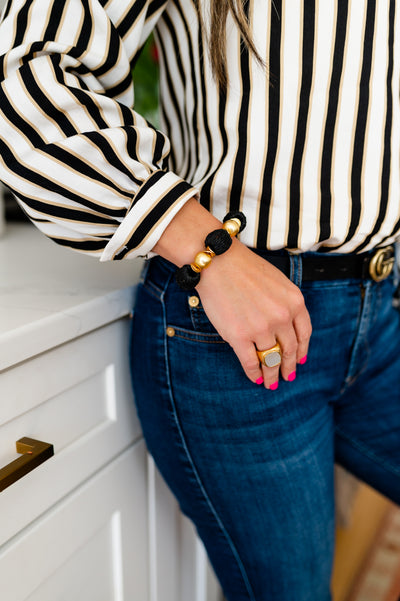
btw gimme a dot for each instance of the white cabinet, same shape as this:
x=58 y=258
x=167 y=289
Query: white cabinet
x=94 y=522
x=76 y=397
x=91 y=546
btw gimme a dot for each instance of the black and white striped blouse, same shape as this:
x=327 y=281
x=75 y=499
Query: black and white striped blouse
x=309 y=150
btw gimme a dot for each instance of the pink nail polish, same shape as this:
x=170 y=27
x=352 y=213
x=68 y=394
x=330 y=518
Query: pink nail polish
x=274 y=386
x=303 y=360
x=260 y=380
x=292 y=376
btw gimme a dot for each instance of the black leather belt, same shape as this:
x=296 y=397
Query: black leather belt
x=376 y=265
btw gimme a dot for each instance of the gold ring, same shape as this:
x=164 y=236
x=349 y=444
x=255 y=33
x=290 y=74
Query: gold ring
x=271 y=357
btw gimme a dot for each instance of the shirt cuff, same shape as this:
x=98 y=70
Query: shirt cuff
x=154 y=206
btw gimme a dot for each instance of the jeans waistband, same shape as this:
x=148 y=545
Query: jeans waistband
x=374 y=265
x=312 y=266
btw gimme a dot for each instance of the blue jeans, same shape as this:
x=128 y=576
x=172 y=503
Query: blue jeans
x=253 y=468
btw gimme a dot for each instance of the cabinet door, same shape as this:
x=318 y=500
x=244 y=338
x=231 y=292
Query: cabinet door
x=91 y=546
x=77 y=397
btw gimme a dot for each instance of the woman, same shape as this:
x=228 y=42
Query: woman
x=287 y=112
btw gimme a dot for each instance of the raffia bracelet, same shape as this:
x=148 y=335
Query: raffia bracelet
x=216 y=243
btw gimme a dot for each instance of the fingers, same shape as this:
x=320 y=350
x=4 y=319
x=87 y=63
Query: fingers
x=271 y=377
x=289 y=345
x=261 y=374
x=303 y=331
x=293 y=340
x=247 y=355
x=287 y=368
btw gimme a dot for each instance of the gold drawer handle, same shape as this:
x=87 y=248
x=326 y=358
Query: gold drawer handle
x=34 y=452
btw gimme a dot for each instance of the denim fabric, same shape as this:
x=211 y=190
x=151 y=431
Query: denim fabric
x=253 y=468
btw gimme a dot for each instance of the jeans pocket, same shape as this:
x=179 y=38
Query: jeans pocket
x=189 y=321
x=199 y=318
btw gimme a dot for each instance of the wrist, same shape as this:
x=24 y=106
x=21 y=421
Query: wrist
x=216 y=243
x=225 y=266
x=185 y=235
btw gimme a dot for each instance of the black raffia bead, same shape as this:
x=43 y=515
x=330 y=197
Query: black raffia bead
x=218 y=241
x=237 y=215
x=186 y=278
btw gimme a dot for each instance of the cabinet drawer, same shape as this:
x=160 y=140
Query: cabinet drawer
x=91 y=546
x=77 y=397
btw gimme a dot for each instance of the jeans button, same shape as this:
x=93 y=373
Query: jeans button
x=193 y=301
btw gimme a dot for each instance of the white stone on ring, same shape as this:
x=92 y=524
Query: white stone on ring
x=271 y=357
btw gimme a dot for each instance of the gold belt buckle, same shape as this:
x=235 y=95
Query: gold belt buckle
x=381 y=264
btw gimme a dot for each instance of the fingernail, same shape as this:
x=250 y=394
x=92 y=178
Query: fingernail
x=292 y=376
x=303 y=360
x=260 y=380
x=274 y=386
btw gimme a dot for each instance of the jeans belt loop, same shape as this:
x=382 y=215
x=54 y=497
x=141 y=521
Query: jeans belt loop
x=296 y=268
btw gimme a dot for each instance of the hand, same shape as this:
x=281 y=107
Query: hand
x=250 y=302
x=253 y=305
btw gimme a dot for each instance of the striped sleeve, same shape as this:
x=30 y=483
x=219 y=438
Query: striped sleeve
x=89 y=172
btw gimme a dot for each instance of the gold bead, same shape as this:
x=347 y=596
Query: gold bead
x=202 y=260
x=194 y=301
x=170 y=332
x=236 y=220
x=232 y=226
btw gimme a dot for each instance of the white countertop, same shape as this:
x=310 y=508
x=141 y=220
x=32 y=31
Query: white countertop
x=50 y=294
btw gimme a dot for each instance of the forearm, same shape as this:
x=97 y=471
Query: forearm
x=184 y=236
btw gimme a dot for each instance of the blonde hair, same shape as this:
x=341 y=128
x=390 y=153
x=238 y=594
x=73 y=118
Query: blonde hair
x=219 y=10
